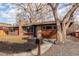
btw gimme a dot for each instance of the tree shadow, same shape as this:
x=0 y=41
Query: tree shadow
x=7 y=47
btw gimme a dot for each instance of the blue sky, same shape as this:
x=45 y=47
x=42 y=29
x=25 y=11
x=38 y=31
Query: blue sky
x=7 y=12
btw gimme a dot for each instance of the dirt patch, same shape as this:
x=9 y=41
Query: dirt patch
x=7 y=47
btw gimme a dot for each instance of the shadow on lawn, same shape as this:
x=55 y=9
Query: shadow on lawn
x=7 y=47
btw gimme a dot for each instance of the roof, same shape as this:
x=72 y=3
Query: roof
x=4 y=25
x=41 y=23
x=3 y=28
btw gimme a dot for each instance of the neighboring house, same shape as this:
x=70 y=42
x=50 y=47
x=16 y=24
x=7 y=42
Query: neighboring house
x=4 y=29
x=14 y=30
x=8 y=29
x=74 y=30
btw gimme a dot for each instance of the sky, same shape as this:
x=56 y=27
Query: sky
x=8 y=13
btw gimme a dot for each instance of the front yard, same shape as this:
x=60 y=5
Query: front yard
x=19 y=46
x=13 y=39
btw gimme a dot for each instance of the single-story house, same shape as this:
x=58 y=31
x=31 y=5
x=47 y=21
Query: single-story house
x=48 y=29
x=3 y=29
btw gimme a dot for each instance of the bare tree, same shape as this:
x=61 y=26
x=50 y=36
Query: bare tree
x=37 y=11
x=63 y=25
x=29 y=10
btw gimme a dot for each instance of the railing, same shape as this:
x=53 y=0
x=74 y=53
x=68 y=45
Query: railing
x=48 y=33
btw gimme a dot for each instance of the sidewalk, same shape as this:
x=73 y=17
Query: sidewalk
x=44 y=47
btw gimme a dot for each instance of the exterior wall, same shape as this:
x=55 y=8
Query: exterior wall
x=48 y=33
x=16 y=32
x=13 y=33
x=76 y=33
x=2 y=33
x=3 y=30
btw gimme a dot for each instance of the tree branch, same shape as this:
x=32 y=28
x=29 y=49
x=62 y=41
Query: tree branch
x=54 y=9
x=69 y=13
x=55 y=14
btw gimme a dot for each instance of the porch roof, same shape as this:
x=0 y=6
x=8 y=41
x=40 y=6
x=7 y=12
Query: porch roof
x=41 y=23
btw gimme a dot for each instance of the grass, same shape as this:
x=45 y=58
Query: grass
x=13 y=39
x=16 y=44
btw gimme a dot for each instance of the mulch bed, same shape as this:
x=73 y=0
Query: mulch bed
x=16 y=47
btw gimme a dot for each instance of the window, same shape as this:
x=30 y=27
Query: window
x=28 y=29
x=54 y=27
x=44 y=27
x=49 y=27
x=12 y=29
x=25 y=29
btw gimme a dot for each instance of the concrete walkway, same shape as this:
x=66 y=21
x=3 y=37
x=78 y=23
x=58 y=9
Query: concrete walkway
x=44 y=47
x=69 y=48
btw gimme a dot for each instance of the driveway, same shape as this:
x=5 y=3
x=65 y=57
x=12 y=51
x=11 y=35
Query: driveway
x=69 y=48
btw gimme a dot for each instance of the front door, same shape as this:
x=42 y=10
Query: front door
x=34 y=31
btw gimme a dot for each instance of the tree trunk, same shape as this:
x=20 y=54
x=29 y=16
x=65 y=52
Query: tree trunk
x=64 y=34
x=20 y=30
x=61 y=36
x=64 y=29
x=61 y=32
